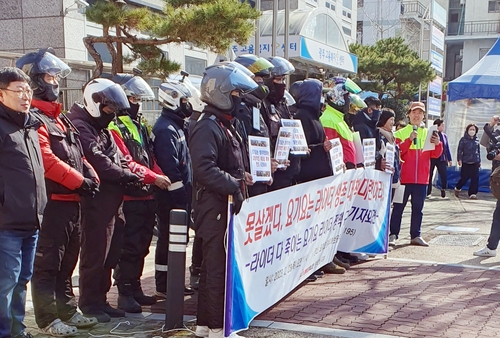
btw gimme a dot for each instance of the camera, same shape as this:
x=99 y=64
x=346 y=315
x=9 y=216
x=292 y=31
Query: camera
x=494 y=143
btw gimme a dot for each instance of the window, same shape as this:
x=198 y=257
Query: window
x=101 y=48
x=327 y=5
x=347 y=4
x=195 y=66
x=344 y=13
x=332 y=7
x=347 y=31
x=453 y=17
x=349 y=15
x=494 y=6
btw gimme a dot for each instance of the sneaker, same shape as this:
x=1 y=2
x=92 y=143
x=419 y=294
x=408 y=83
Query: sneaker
x=112 y=312
x=201 y=331
x=456 y=192
x=318 y=273
x=161 y=295
x=219 y=333
x=24 y=334
x=188 y=291
x=128 y=304
x=352 y=259
x=392 y=240
x=58 y=329
x=360 y=256
x=341 y=262
x=80 y=321
x=473 y=197
x=333 y=269
x=418 y=241
x=443 y=193
x=142 y=299
x=485 y=252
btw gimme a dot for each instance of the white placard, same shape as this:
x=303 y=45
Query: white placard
x=260 y=158
x=283 y=144
x=399 y=194
x=428 y=145
x=356 y=139
x=369 y=153
x=337 y=156
x=389 y=158
x=299 y=143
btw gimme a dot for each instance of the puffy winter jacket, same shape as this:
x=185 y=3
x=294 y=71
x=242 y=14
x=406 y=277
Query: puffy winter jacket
x=335 y=127
x=468 y=149
x=22 y=185
x=416 y=162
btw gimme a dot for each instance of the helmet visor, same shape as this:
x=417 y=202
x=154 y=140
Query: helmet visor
x=139 y=89
x=239 y=80
x=259 y=66
x=52 y=65
x=351 y=86
x=113 y=97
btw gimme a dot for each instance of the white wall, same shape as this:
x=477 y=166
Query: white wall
x=471 y=52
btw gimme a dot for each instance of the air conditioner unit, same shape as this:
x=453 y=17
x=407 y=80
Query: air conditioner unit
x=462 y=2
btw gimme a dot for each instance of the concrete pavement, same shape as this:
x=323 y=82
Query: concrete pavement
x=439 y=291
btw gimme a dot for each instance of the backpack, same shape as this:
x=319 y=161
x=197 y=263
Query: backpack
x=495 y=182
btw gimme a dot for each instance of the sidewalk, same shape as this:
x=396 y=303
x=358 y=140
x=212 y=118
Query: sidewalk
x=439 y=291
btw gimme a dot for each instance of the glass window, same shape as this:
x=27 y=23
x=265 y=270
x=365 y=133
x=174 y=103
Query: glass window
x=347 y=31
x=315 y=28
x=101 y=48
x=327 y=5
x=195 y=66
x=347 y=4
x=335 y=38
x=494 y=7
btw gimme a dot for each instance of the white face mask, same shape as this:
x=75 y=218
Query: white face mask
x=472 y=132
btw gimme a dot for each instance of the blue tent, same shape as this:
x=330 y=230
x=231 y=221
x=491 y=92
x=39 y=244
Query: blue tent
x=481 y=81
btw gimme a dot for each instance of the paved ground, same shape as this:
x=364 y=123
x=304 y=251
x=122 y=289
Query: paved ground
x=439 y=291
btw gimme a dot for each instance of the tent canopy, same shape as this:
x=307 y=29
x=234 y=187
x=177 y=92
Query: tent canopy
x=481 y=81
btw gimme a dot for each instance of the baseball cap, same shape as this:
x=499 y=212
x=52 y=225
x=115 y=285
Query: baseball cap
x=416 y=105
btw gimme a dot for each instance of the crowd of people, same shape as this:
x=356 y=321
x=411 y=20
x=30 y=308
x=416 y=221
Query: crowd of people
x=87 y=185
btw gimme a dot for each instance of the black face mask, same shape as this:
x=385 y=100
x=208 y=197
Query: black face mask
x=47 y=92
x=133 y=111
x=278 y=90
x=236 y=105
x=104 y=120
x=186 y=110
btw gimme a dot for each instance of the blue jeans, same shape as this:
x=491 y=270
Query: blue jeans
x=418 y=193
x=17 y=254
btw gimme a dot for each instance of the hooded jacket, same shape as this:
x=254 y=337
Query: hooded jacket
x=22 y=185
x=468 y=149
x=318 y=163
x=416 y=163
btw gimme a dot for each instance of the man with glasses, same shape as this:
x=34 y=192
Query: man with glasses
x=68 y=176
x=22 y=198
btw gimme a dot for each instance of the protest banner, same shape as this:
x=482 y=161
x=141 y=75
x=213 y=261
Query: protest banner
x=278 y=239
x=260 y=158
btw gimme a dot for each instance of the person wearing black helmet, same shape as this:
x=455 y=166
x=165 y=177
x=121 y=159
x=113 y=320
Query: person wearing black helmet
x=249 y=121
x=216 y=151
x=102 y=216
x=68 y=176
x=274 y=108
x=139 y=206
x=172 y=154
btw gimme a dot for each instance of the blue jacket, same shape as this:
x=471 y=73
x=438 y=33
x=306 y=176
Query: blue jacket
x=468 y=149
x=446 y=155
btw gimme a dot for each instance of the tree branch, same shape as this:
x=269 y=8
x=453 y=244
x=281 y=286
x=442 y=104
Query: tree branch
x=89 y=44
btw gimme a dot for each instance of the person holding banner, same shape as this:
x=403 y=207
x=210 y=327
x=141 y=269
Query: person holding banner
x=218 y=171
x=274 y=108
x=414 y=173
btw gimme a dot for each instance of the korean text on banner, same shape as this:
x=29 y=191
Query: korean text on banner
x=283 y=144
x=369 y=149
x=337 y=156
x=280 y=238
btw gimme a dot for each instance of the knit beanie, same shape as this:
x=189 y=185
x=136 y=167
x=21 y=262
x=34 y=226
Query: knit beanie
x=384 y=116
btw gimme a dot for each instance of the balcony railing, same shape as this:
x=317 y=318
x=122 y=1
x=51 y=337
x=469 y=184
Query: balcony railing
x=491 y=27
x=412 y=8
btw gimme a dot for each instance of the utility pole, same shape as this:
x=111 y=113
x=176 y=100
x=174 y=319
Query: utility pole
x=275 y=28
x=256 y=47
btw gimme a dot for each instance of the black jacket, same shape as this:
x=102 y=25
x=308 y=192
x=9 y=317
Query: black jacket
x=367 y=127
x=216 y=155
x=22 y=184
x=99 y=147
x=172 y=155
x=317 y=164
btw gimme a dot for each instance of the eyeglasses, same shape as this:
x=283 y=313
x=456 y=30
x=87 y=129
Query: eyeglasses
x=21 y=93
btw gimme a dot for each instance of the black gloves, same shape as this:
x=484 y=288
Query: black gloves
x=237 y=201
x=129 y=177
x=88 y=188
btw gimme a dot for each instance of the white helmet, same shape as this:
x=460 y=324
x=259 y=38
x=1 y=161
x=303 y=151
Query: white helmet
x=99 y=93
x=171 y=92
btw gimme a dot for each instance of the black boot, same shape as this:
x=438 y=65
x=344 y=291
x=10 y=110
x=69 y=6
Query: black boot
x=143 y=299
x=194 y=280
x=129 y=304
x=112 y=312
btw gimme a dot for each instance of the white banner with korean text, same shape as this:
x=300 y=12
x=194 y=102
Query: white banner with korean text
x=278 y=239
